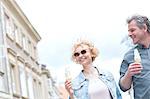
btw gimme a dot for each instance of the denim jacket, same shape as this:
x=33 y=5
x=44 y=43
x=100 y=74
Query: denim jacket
x=80 y=85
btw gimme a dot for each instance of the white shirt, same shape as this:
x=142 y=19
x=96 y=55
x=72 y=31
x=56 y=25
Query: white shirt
x=97 y=89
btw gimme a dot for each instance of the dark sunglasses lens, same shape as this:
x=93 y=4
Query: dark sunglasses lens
x=76 y=54
x=83 y=51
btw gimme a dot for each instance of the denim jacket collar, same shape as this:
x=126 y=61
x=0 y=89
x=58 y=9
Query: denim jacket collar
x=82 y=77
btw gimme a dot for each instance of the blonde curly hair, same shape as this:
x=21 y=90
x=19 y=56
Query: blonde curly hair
x=93 y=49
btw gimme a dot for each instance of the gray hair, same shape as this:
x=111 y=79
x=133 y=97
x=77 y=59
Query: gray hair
x=141 y=21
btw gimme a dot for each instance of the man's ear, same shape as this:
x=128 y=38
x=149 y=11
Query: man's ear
x=145 y=28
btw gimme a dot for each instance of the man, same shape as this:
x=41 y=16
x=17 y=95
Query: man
x=131 y=72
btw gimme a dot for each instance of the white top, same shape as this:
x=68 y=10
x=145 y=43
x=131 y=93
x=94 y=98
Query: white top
x=97 y=89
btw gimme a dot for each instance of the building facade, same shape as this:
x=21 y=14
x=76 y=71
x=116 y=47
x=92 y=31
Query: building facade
x=50 y=90
x=20 y=73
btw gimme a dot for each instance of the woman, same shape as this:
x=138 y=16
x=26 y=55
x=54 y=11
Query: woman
x=91 y=83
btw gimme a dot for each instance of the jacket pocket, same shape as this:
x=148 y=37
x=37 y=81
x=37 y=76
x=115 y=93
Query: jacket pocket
x=79 y=90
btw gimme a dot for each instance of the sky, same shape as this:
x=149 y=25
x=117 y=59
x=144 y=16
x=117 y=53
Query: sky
x=61 y=22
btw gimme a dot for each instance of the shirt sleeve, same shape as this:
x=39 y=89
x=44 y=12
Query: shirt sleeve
x=123 y=69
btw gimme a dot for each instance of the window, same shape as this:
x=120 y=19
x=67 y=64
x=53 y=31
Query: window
x=1 y=58
x=39 y=90
x=50 y=87
x=30 y=86
x=3 y=80
x=8 y=26
x=14 y=78
x=30 y=47
x=19 y=37
x=35 y=88
x=16 y=33
x=24 y=42
x=23 y=80
x=35 y=52
x=27 y=44
x=32 y=50
x=3 y=77
x=1 y=38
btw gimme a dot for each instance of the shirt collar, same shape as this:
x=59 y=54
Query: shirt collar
x=141 y=46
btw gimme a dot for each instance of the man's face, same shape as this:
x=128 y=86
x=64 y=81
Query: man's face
x=136 y=33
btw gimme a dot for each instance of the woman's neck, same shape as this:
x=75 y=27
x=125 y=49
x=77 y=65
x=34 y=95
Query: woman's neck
x=90 y=71
x=88 y=68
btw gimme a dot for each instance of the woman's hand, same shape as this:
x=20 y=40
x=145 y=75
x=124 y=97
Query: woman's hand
x=68 y=87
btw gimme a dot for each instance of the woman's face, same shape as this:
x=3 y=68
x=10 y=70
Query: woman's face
x=82 y=55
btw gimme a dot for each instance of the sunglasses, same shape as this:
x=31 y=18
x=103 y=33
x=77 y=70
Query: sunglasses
x=78 y=54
